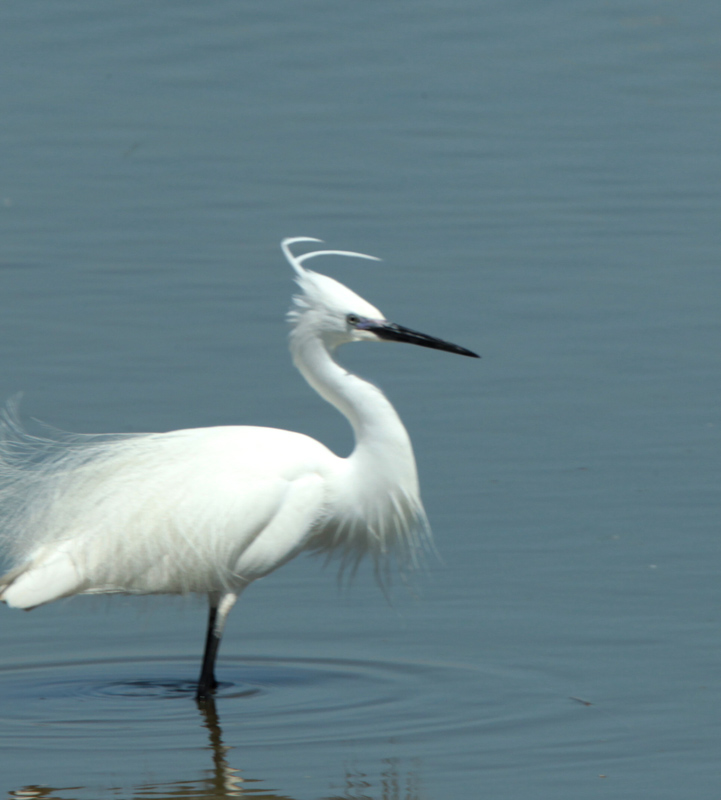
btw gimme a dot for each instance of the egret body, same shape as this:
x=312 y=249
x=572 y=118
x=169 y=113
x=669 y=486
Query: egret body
x=209 y=510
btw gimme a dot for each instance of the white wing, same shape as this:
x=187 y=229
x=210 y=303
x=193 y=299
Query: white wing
x=189 y=511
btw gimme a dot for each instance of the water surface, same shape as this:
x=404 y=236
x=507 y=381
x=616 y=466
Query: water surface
x=541 y=181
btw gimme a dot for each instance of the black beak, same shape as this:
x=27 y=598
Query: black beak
x=397 y=333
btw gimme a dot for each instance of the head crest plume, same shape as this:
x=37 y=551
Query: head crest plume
x=297 y=261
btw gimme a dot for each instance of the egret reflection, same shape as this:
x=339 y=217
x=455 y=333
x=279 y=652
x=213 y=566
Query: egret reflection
x=222 y=780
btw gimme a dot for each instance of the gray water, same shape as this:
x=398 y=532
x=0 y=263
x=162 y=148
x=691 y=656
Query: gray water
x=542 y=183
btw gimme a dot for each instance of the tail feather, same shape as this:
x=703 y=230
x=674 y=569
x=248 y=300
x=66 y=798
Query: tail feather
x=32 y=584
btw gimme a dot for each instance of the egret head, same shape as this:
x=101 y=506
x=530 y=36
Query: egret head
x=330 y=311
x=333 y=313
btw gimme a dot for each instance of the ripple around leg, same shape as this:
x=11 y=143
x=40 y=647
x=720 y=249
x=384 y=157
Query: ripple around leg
x=280 y=696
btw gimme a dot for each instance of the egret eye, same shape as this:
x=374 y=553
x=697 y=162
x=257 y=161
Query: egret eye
x=352 y=319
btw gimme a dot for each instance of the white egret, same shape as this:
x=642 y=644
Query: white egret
x=210 y=510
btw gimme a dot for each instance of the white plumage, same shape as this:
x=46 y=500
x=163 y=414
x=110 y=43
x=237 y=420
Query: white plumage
x=209 y=510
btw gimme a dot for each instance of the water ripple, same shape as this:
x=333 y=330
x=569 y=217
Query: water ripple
x=283 y=700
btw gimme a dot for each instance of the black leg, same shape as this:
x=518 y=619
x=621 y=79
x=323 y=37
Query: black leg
x=207 y=683
x=220 y=606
